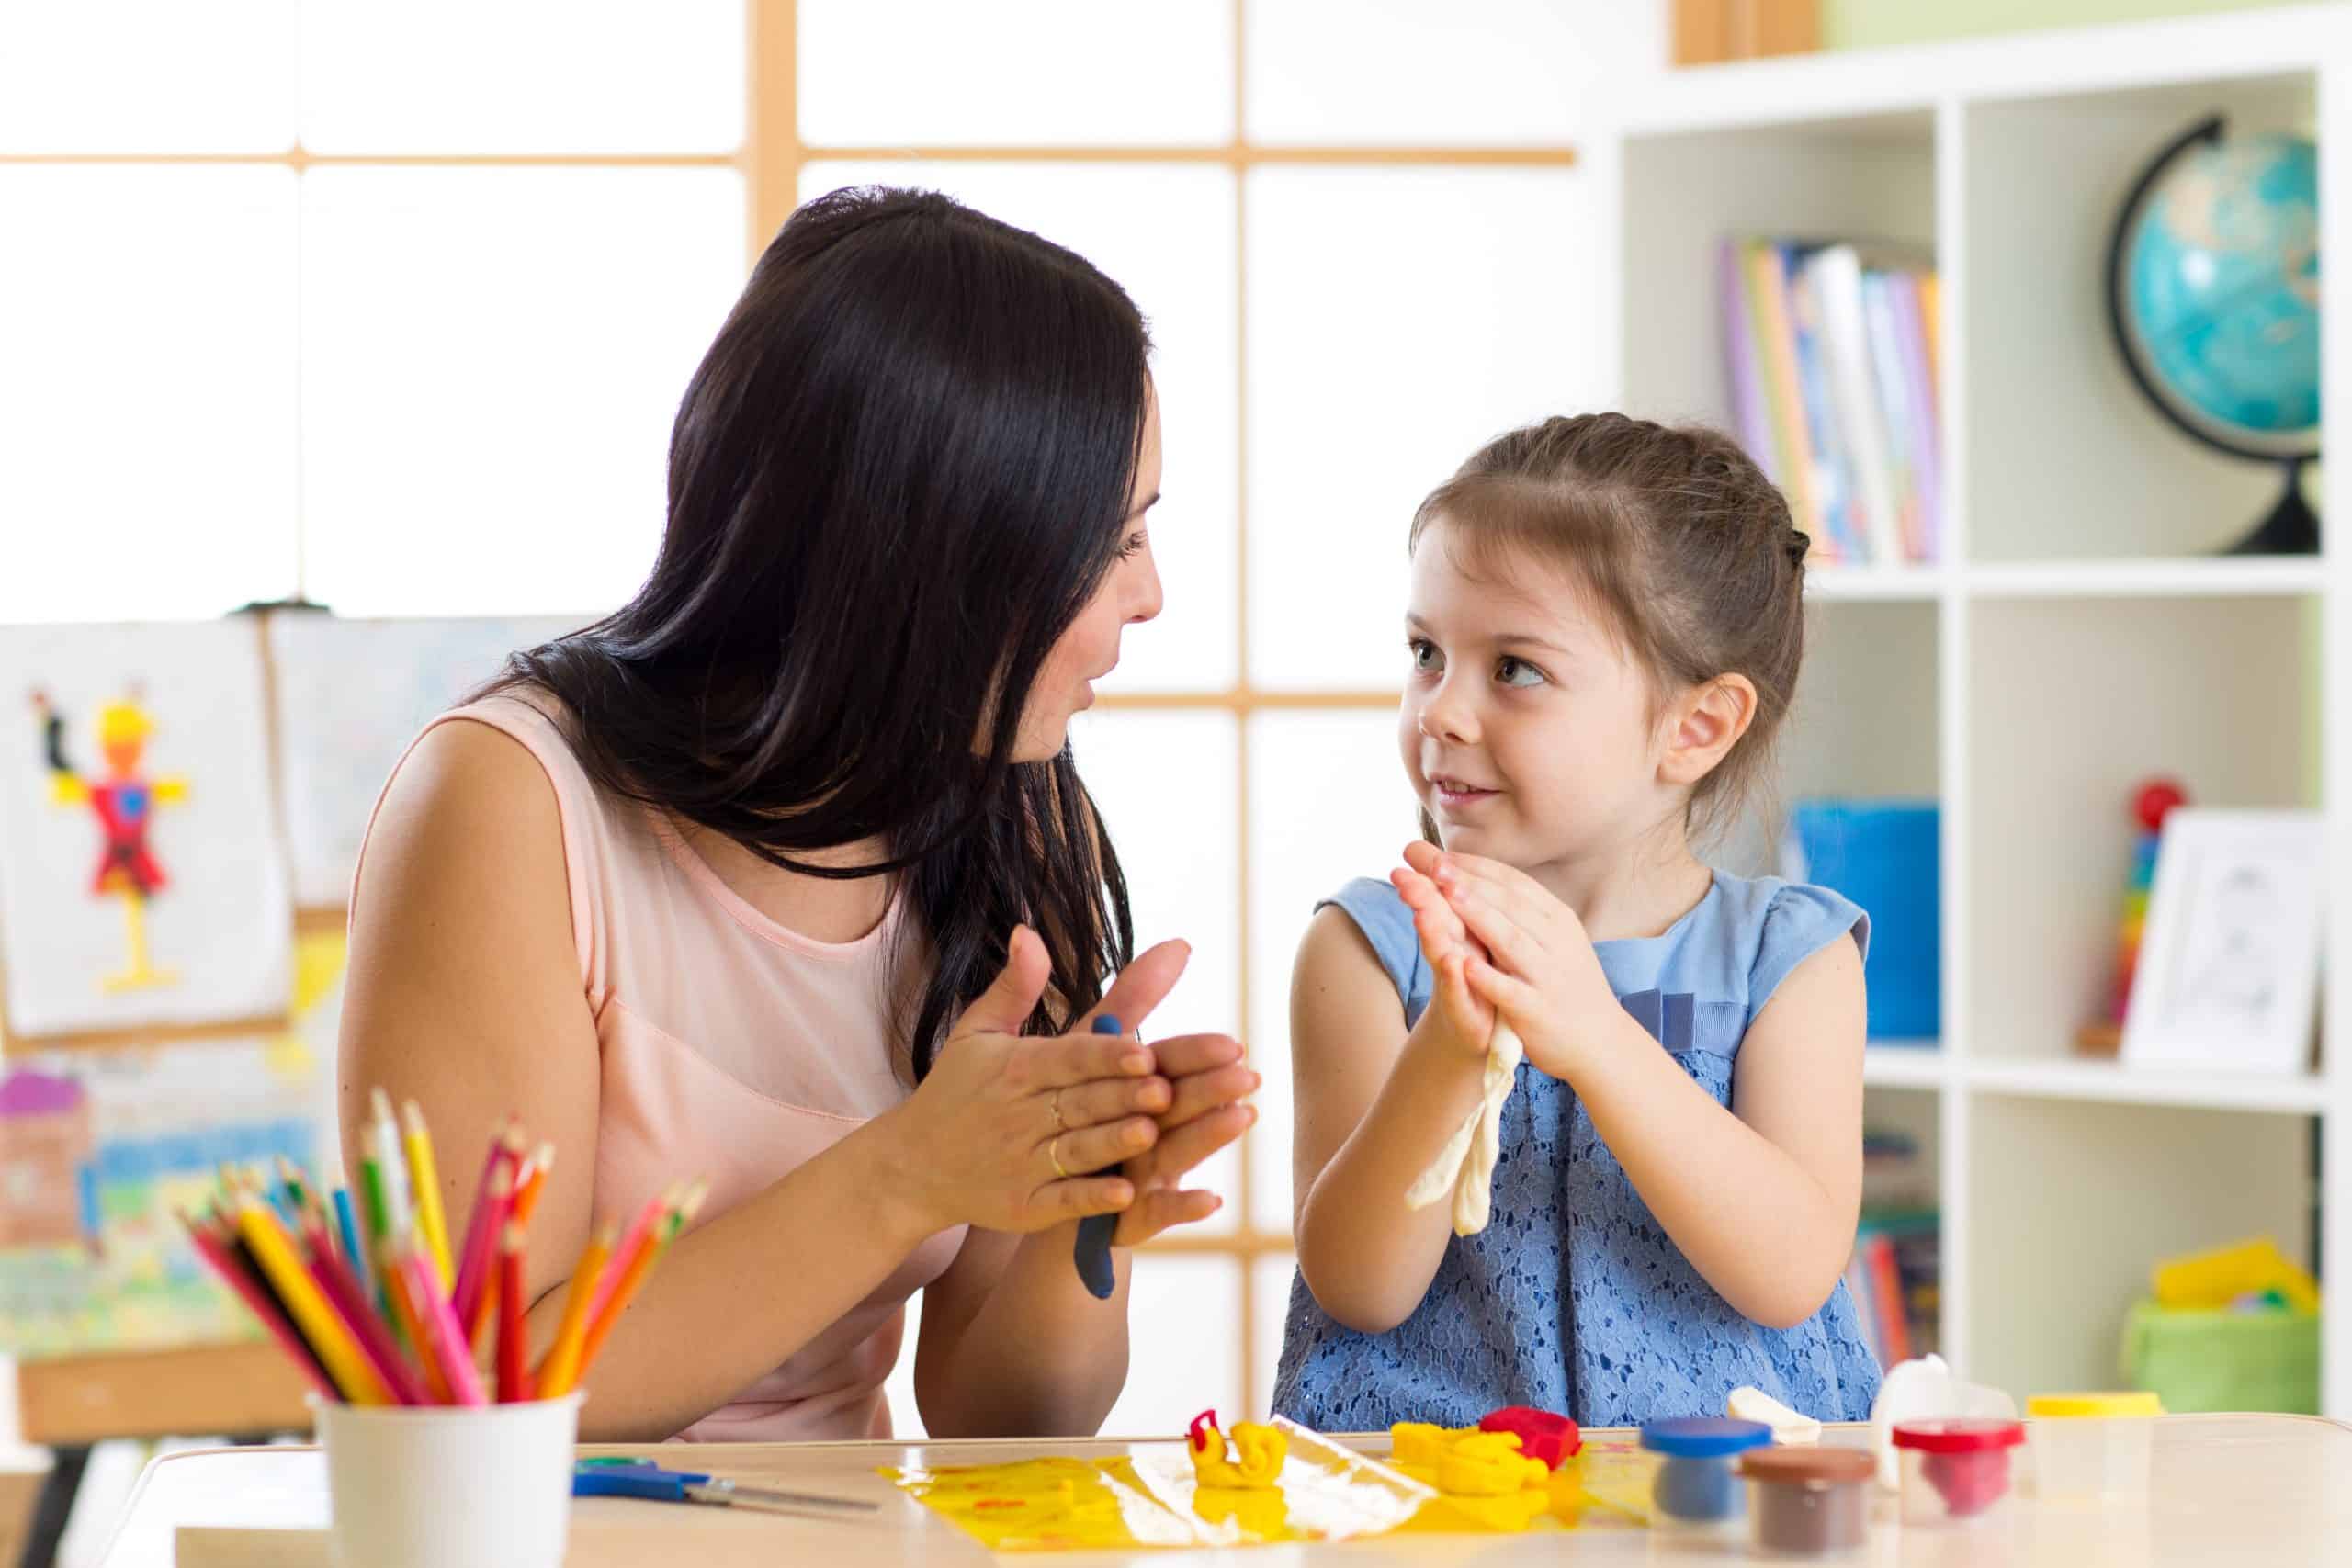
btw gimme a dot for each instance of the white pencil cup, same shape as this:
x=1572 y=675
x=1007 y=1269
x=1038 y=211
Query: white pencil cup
x=446 y=1486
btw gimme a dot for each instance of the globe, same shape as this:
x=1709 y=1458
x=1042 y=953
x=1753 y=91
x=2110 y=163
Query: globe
x=2214 y=292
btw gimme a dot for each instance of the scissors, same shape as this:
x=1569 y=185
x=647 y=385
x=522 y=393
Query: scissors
x=644 y=1479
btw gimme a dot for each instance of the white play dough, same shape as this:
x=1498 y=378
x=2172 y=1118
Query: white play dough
x=1465 y=1167
x=1788 y=1425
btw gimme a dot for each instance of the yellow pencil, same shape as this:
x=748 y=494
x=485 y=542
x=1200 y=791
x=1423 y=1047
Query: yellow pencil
x=426 y=1178
x=562 y=1365
x=274 y=1250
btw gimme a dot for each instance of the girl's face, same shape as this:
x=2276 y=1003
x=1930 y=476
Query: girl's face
x=1088 y=646
x=1527 y=729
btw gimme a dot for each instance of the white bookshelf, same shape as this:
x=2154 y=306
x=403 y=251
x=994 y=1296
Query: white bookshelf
x=2076 y=638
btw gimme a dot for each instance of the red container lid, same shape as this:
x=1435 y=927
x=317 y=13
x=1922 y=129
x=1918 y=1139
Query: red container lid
x=1959 y=1436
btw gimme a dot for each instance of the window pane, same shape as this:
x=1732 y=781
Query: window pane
x=1404 y=73
x=1397 y=319
x=146 y=76
x=147 y=391
x=1015 y=73
x=1169 y=786
x=491 y=362
x=1328 y=802
x=523 y=77
x=1184 y=1327
x=1164 y=232
x=1270 y=1284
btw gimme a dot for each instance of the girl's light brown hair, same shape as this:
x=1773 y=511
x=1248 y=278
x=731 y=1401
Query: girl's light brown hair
x=1676 y=535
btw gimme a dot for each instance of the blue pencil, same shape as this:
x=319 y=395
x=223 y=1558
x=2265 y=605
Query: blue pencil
x=355 y=1254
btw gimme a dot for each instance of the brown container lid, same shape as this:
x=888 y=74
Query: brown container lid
x=1809 y=1466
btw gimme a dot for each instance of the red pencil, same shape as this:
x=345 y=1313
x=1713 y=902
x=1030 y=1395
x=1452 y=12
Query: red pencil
x=262 y=1303
x=513 y=1355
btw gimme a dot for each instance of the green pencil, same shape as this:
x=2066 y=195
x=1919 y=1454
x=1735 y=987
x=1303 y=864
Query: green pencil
x=379 y=1220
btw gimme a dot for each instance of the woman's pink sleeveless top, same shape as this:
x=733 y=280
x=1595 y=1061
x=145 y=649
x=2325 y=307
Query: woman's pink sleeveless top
x=732 y=1048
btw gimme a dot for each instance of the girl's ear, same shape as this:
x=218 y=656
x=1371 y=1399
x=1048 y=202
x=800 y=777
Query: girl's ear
x=1703 y=726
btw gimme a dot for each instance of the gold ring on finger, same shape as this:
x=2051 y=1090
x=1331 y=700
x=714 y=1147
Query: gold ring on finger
x=1054 y=1152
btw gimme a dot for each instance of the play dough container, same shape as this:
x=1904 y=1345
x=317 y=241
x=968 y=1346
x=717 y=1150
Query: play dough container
x=1808 y=1502
x=2092 y=1445
x=1956 y=1471
x=1695 y=1490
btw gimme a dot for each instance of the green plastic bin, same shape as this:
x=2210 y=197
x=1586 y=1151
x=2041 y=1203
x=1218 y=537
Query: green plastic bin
x=2224 y=1361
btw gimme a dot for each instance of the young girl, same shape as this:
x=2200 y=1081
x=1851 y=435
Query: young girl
x=1605 y=624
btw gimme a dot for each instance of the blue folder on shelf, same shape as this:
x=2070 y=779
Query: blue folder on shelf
x=1884 y=854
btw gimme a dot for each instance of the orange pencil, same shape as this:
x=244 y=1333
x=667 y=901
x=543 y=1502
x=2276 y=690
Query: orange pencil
x=514 y=1378
x=412 y=1326
x=561 y=1364
x=534 y=1181
x=640 y=1230
x=632 y=1270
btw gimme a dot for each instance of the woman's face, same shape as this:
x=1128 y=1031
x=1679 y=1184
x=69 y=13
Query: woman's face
x=1089 y=646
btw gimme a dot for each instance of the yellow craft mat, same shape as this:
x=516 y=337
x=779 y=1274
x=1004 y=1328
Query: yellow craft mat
x=1147 y=1497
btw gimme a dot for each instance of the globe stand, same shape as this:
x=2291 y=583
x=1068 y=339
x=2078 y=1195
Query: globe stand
x=2292 y=527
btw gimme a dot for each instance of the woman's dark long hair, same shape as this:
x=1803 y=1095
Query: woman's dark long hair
x=901 y=471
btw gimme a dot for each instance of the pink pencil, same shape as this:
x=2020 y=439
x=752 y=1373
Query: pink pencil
x=263 y=1306
x=491 y=1200
x=342 y=1292
x=441 y=1327
x=640 y=1231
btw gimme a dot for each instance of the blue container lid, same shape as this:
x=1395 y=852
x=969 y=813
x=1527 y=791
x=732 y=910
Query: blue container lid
x=1704 y=1436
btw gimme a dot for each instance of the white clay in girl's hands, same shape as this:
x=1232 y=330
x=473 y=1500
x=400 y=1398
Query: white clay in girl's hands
x=1465 y=1167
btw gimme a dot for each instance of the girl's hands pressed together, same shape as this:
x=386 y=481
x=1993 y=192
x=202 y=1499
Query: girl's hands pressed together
x=1539 y=971
x=1467 y=1018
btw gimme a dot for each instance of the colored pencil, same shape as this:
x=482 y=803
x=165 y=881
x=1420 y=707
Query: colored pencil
x=561 y=1364
x=638 y=1265
x=335 y=1281
x=427 y=1175
x=411 y=1327
x=320 y=1323
x=362 y=1260
x=534 y=1183
x=475 y=1320
x=513 y=1355
x=262 y=1304
x=631 y=1241
x=291 y=1180
x=448 y=1340
x=384 y=1137
x=476 y=1258
x=373 y=1209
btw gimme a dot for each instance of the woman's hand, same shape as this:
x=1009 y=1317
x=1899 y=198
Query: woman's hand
x=1466 y=1018
x=1539 y=971
x=1203 y=1113
x=1002 y=1131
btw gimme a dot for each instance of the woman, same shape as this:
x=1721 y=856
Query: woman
x=782 y=873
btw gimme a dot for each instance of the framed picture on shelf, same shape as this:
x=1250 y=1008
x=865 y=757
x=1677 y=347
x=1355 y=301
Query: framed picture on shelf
x=2229 y=969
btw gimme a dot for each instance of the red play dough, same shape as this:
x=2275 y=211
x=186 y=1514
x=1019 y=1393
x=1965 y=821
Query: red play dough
x=1542 y=1433
x=1968 y=1483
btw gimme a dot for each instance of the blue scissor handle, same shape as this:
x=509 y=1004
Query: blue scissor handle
x=654 y=1486
x=1093 y=1251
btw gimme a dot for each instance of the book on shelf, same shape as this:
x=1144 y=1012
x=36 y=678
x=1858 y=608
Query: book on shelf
x=1829 y=355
